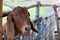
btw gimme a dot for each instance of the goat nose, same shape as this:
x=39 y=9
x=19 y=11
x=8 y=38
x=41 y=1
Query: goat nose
x=27 y=29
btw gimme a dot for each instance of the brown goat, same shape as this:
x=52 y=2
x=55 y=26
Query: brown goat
x=18 y=20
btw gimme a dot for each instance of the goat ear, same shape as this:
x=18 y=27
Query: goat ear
x=33 y=27
x=10 y=28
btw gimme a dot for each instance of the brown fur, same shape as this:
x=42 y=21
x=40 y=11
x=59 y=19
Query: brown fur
x=18 y=20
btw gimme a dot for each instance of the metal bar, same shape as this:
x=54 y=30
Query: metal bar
x=56 y=18
x=41 y=5
x=37 y=16
x=37 y=10
x=49 y=5
x=31 y=6
x=34 y=5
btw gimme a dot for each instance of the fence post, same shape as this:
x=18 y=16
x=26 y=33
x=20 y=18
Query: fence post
x=37 y=16
x=56 y=18
x=0 y=20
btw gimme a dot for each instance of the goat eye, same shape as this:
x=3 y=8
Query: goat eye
x=15 y=15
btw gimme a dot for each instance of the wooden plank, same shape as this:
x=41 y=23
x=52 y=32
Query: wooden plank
x=0 y=20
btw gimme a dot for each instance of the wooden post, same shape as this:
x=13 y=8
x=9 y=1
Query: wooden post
x=0 y=20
